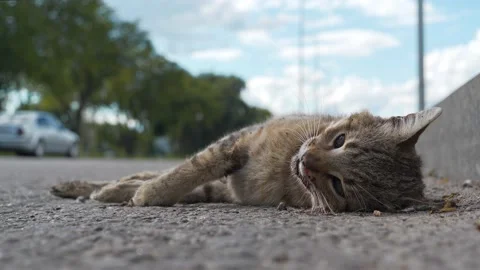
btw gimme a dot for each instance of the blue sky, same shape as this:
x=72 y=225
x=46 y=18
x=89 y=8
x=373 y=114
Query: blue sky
x=359 y=54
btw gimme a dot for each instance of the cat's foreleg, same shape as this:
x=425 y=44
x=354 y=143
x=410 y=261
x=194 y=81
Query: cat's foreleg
x=123 y=189
x=219 y=159
x=111 y=192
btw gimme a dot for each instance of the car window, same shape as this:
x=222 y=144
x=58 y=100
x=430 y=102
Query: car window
x=42 y=121
x=54 y=121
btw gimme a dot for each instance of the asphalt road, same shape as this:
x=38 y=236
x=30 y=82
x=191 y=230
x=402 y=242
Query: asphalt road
x=40 y=231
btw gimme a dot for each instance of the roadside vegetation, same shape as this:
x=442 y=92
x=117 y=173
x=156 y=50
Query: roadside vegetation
x=77 y=59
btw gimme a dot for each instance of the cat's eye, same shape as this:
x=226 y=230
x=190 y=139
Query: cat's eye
x=339 y=141
x=337 y=186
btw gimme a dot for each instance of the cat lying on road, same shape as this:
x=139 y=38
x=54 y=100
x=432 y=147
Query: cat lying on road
x=329 y=163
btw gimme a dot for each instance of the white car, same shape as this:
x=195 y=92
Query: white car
x=36 y=133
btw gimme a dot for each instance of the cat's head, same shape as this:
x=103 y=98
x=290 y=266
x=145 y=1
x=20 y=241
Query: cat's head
x=364 y=162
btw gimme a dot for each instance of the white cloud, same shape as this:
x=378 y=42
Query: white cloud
x=257 y=37
x=330 y=20
x=446 y=70
x=352 y=42
x=341 y=95
x=206 y=24
x=310 y=75
x=279 y=93
x=398 y=12
x=222 y=54
x=217 y=7
x=183 y=26
x=403 y=12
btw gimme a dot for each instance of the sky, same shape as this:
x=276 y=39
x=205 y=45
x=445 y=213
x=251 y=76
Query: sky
x=358 y=54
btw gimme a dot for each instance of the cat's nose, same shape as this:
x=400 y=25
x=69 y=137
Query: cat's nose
x=309 y=161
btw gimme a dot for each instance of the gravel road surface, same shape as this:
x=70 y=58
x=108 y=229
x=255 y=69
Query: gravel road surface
x=40 y=231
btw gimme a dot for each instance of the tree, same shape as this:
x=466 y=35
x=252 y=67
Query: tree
x=77 y=55
x=19 y=21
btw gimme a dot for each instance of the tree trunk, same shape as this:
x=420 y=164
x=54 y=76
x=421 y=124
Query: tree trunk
x=83 y=99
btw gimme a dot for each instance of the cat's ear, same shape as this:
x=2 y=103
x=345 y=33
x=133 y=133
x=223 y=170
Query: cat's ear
x=407 y=129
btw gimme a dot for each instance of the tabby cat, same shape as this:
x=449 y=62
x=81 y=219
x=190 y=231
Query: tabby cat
x=358 y=162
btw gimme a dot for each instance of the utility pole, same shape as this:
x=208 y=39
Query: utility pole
x=301 y=20
x=315 y=84
x=421 y=81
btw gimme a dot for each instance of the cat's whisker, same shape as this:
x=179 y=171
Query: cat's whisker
x=326 y=203
x=373 y=197
x=360 y=202
x=296 y=134
x=305 y=195
x=301 y=132
x=359 y=196
x=311 y=131
x=318 y=123
x=348 y=195
x=307 y=128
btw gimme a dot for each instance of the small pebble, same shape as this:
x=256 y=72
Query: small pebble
x=81 y=199
x=280 y=258
x=477 y=224
x=377 y=213
x=282 y=206
x=467 y=184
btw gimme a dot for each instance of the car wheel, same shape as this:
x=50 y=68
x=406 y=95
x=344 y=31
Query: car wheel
x=21 y=154
x=39 y=150
x=73 y=151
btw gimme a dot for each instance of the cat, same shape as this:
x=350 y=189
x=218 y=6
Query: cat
x=357 y=162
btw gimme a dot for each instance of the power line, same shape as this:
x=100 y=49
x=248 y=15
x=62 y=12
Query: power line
x=315 y=84
x=301 y=20
x=421 y=81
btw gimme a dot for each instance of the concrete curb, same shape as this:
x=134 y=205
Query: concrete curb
x=451 y=145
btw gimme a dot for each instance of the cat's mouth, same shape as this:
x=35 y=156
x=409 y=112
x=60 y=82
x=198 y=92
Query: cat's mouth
x=307 y=177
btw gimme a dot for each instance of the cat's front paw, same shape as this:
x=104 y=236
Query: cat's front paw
x=153 y=194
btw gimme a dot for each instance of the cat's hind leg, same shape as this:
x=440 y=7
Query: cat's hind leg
x=213 y=192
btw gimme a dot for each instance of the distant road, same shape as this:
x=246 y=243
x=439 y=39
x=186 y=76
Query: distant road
x=29 y=169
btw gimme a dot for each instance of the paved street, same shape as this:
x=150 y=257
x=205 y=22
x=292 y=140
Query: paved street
x=40 y=231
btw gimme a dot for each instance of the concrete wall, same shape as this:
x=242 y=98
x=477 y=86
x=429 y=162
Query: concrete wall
x=451 y=145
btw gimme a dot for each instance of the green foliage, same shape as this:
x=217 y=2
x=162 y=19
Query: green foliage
x=77 y=55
